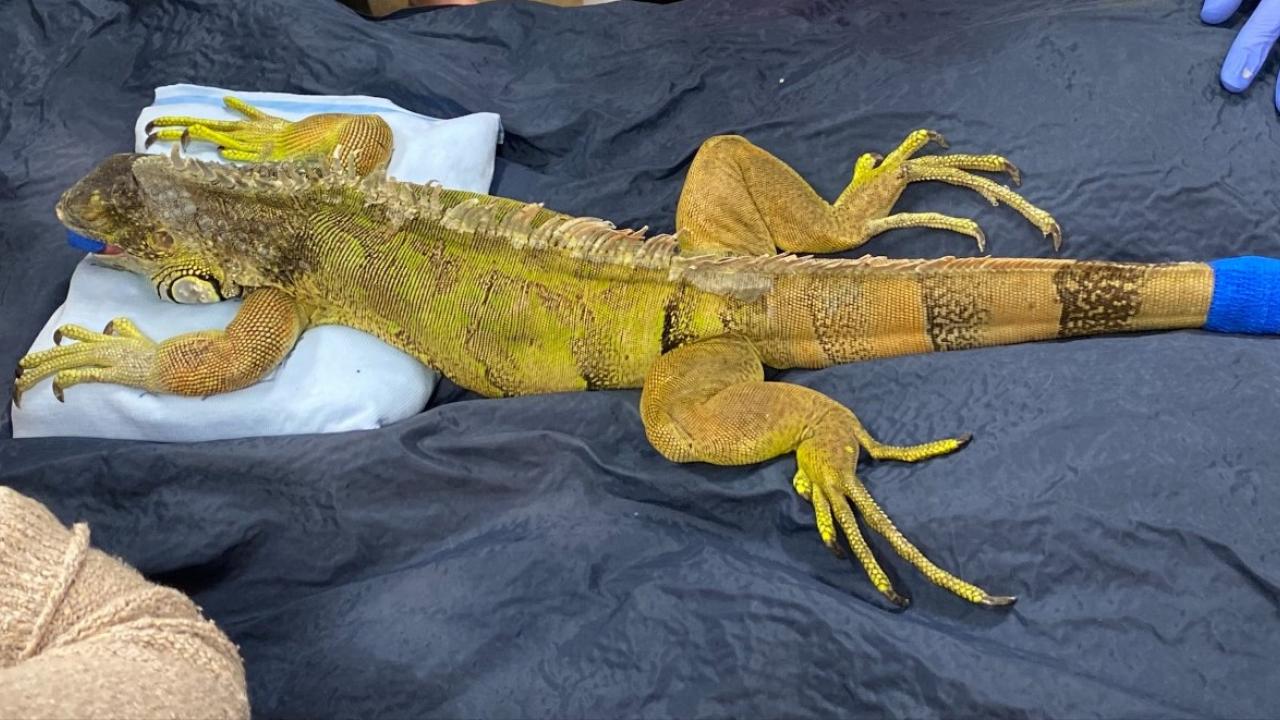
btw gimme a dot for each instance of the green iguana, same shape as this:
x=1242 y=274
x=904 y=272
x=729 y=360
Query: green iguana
x=509 y=298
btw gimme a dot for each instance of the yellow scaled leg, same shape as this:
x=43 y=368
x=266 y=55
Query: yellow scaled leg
x=708 y=401
x=364 y=141
x=198 y=363
x=739 y=199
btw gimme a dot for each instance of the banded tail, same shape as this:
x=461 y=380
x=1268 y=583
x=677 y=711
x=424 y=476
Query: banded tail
x=829 y=312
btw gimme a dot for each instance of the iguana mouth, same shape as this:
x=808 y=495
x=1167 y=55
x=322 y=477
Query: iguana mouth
x=88 y=244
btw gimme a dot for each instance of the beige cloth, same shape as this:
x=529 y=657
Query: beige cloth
x=82 y=635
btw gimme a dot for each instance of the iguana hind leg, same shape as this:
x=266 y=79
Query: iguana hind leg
x=199 y=363
x=365 y=141
x=708 y=401
x=740 y=199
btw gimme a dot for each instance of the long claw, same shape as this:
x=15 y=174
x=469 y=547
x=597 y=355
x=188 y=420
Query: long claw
x=17 y=397
x=1015 y=175
x=901 y=601
x=1055 y=233
x=186 y=138
x=998 y=600
x=57 y=336
x=110 y=328
x=151 y=138
x=18 y=373
x=57 y=391
x=936 y=137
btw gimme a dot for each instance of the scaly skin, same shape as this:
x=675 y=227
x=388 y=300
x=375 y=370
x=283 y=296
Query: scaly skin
x=507 y=298
x=364 y=140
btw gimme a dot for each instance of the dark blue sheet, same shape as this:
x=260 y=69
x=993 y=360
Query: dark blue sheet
x=535 y=558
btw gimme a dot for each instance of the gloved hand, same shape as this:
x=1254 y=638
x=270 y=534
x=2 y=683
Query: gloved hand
x=1251 y=46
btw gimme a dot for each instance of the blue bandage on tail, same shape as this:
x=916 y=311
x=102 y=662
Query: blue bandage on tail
x=80 y=242
x=1246 y=296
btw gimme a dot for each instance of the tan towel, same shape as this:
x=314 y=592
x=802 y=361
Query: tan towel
x=82 y=635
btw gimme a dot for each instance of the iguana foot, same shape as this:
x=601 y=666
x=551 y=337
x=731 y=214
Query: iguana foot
x=119 y=354
x=877 y=184
x=200 y=363
x=826 y=476
x=363 y=140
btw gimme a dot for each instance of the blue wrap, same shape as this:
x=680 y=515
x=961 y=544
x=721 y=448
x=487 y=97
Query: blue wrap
x=1246 y=296
x=80 y=242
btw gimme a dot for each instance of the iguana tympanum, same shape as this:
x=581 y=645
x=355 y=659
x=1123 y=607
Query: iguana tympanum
x=509 y=298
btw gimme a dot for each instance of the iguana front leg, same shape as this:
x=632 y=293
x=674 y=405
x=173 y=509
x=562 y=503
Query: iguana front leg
x=365 y=141
x=740 y=199
x=708 y=401
x=199 y=363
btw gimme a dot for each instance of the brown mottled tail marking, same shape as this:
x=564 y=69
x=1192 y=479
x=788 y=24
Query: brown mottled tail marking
x=827 y=312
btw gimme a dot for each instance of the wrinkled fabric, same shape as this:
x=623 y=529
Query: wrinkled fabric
x=534 y=557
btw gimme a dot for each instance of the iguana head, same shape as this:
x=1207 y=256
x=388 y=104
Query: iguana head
x=124 y=218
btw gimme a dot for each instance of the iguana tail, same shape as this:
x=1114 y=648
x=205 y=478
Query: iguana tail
x=830 y=312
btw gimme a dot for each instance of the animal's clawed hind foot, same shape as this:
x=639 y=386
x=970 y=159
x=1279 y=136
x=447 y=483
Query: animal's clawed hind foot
x=826 y=476
x=834 y=495
x=878 y=182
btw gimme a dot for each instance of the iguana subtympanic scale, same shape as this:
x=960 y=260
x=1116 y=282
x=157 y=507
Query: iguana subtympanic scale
x=509 y=298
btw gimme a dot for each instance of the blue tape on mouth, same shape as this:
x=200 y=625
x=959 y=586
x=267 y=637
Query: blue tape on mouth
x=80 y=242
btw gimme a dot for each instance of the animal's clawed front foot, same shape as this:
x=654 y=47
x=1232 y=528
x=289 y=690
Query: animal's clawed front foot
x=255 y=139
x=119 y=354
x=827 y=478
x=878 y=182
x=365 y=141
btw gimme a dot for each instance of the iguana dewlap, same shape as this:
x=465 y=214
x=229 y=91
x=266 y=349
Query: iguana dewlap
x=509 y=298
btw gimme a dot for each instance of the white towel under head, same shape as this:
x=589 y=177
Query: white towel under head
x=335 y=379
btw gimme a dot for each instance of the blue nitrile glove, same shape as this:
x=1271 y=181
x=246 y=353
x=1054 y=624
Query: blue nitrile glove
x=1252 y=45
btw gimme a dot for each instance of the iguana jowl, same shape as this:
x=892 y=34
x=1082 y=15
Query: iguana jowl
x=509 y=298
